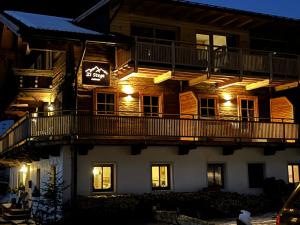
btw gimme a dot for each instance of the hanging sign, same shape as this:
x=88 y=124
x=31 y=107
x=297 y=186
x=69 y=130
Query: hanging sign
x=95 y=73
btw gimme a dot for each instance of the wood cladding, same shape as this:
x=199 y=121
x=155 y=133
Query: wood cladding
x=281 y=110
x=188 y=104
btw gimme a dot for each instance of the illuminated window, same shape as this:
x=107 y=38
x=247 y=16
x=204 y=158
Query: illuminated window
x=103 y=177
x=151 y=105
x=208 y=107
x=256 y=175
x=105 y=103
x=293 y=170
x=161 y=177
x=215 y=175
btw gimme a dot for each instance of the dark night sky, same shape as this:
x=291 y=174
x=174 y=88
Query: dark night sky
x=285 y=8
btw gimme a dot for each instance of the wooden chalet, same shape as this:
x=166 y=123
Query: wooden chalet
x=166 y=88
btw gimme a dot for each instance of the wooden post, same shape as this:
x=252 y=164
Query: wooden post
x=135 y=54
x=173 y=56
x=241 y=63
x=271 y=66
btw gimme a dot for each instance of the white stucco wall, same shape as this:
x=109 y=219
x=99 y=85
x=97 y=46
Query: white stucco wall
x=188 y=172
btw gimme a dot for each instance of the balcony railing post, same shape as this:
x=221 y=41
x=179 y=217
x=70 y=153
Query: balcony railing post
x=241 y=63
x=173 y=55
x=271 y=66
x=135 y=57
x=283 y=129
x=209 y=60
x=298 y=67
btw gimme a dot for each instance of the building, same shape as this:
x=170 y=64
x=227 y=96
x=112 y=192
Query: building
x=145 y=96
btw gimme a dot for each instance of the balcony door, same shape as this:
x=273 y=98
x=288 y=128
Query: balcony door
x=248 y=108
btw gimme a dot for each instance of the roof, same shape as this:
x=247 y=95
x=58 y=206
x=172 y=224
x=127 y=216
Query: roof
x=48 y=23
x=187 y=2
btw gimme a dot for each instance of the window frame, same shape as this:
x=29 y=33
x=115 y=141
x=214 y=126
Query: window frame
x=216 y=106
x=222 y=174
x=250 y=184
x=112 y=178
x=160 y=104
x=95 y=101
x=159 y=188
x=255 y=105
x=293 y=164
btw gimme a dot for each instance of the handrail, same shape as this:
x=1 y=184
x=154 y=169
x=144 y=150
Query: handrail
x=86 y=124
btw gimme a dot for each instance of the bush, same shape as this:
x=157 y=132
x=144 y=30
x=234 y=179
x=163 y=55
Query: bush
x=129 y=208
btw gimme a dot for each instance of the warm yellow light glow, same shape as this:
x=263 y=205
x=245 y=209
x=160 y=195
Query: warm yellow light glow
x=128 y=98
x=50 y=107
x=227 y=85
x=127 y=89
x=128 y=76
x=24 y=169
x=227 y=103
x=227 y=96
x=96 y=170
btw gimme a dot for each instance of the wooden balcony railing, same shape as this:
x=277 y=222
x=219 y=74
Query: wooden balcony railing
x=210 y=58
x=136 y=127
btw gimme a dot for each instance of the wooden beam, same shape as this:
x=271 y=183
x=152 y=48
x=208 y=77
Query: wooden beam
x=136 y=149
x=258 y=84
x=185 y=149
x=217 y=19
x=229 y=83
x=244 y=23
x=198 y=80
x=163 y=77
x=229 y=150
x=126 y=75
x=33 y=72
x=287 y=86
x=230 y=22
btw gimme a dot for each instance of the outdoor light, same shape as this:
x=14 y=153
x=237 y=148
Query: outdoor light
x=227 y=96
x=24 y=169
x=50 y=107
x=127 y=89
x=128 y=98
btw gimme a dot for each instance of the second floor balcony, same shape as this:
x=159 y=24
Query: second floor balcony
x=90 y=128
x=180 y=56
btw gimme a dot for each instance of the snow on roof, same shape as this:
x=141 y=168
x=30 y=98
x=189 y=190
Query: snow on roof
x=44 y=22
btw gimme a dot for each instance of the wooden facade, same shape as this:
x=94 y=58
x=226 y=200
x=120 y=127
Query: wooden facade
x=162 y=85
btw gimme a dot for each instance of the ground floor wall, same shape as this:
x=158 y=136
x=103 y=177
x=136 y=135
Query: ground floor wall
x=132 y=173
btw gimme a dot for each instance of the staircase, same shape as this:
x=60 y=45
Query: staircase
x=14 y=216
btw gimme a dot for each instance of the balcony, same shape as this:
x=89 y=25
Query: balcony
x=83 y=127
x=194 y=59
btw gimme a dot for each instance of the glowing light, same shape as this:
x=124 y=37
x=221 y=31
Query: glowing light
x=24 y=169
x=227 y=96
x=96 y=170
x=128 y=98
x=127 y=89
x=227 y=103
x=50 y=107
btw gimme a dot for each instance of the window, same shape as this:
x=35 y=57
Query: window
x=293 y=172
x=256 y=175
x=151 y=105
x=105 y=103
x=248 y=109
x=103 y=177
x=160 y=176
x=215 y=175
x=208 y=107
